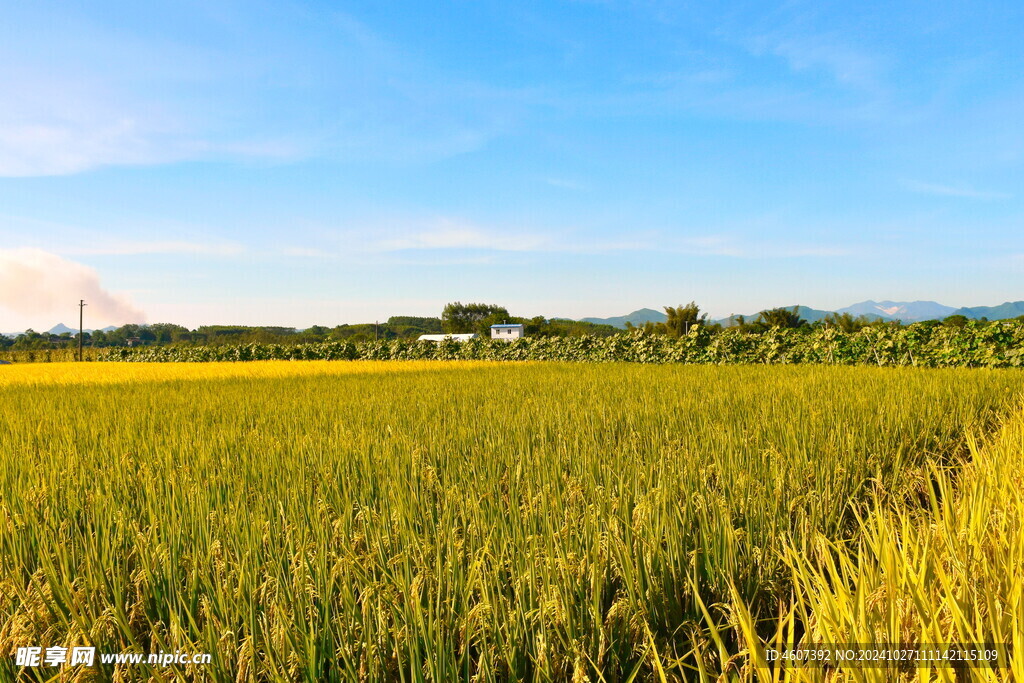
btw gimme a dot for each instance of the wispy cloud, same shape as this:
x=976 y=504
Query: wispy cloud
x=454 y=235
x=744 y=248
x=308 y=252
x=61 y=123
x=828 y=53
x=68 y=111
x=453 y=240
x=112 y=248
x=70 y=239
x=953 y=191
x=566 y=184
x=40 y=148
x=436 y=261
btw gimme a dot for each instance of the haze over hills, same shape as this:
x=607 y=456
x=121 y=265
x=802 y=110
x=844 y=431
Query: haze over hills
x=811 y=315
x=61 y=328
x=1010 y=309
x=911 y=311
x=904 y=311
x=637 y=318
x=915 y=311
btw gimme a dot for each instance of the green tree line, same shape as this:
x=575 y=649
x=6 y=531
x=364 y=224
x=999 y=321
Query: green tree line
x=455 y=318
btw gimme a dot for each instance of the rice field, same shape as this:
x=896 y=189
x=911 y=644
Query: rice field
x=308 y=521
x=53 y=374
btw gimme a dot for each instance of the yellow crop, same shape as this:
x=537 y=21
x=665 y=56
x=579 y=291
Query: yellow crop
x=337 y=521
x=947 y=574
x=118 y=373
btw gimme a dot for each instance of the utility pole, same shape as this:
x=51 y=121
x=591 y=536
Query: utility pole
x=81 y=334
x=375 y=324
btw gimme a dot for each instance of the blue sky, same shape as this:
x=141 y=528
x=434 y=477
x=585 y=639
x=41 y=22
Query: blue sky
x=299 y=162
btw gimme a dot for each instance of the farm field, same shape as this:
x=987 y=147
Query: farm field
x=444 y=521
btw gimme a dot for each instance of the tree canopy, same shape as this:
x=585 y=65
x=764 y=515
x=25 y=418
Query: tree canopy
x=846 y=322
x=681 y=319
x=781 y=317
x=460 y=318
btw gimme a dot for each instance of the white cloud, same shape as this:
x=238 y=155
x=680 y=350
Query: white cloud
x=453 y=235
x=742 y=248
x=84 y=95
x=566 y=184
x=307 y=252
x=79 y=240
x=845 y=64
x=59 y=121
x=38 y=283
x=58 y=148
x=952 y=191
x=63 y=136
x=161 y=247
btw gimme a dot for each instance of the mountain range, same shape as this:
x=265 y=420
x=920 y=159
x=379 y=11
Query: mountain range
x=907 y=311
x=61 y=328
x=904 y=311
x=637 y=318
x=811 y=315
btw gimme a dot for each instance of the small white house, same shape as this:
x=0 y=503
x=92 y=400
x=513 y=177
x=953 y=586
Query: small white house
x=442 y=337
x=507 y=331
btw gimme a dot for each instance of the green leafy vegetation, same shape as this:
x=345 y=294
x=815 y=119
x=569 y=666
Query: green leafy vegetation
x=975 y=344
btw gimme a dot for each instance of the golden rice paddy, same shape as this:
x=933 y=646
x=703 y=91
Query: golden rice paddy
x=305 y=521
x=69 y=373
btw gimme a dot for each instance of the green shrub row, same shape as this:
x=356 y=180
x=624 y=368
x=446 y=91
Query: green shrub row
x=926 y=345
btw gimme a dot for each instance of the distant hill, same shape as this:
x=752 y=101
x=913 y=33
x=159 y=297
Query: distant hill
x=907 y=311
x=1010 y=309
x=637 y=318
x=811 y=315
x=61 y=328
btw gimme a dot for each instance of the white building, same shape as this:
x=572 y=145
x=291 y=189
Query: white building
x=507 y=331
x=442 y=337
